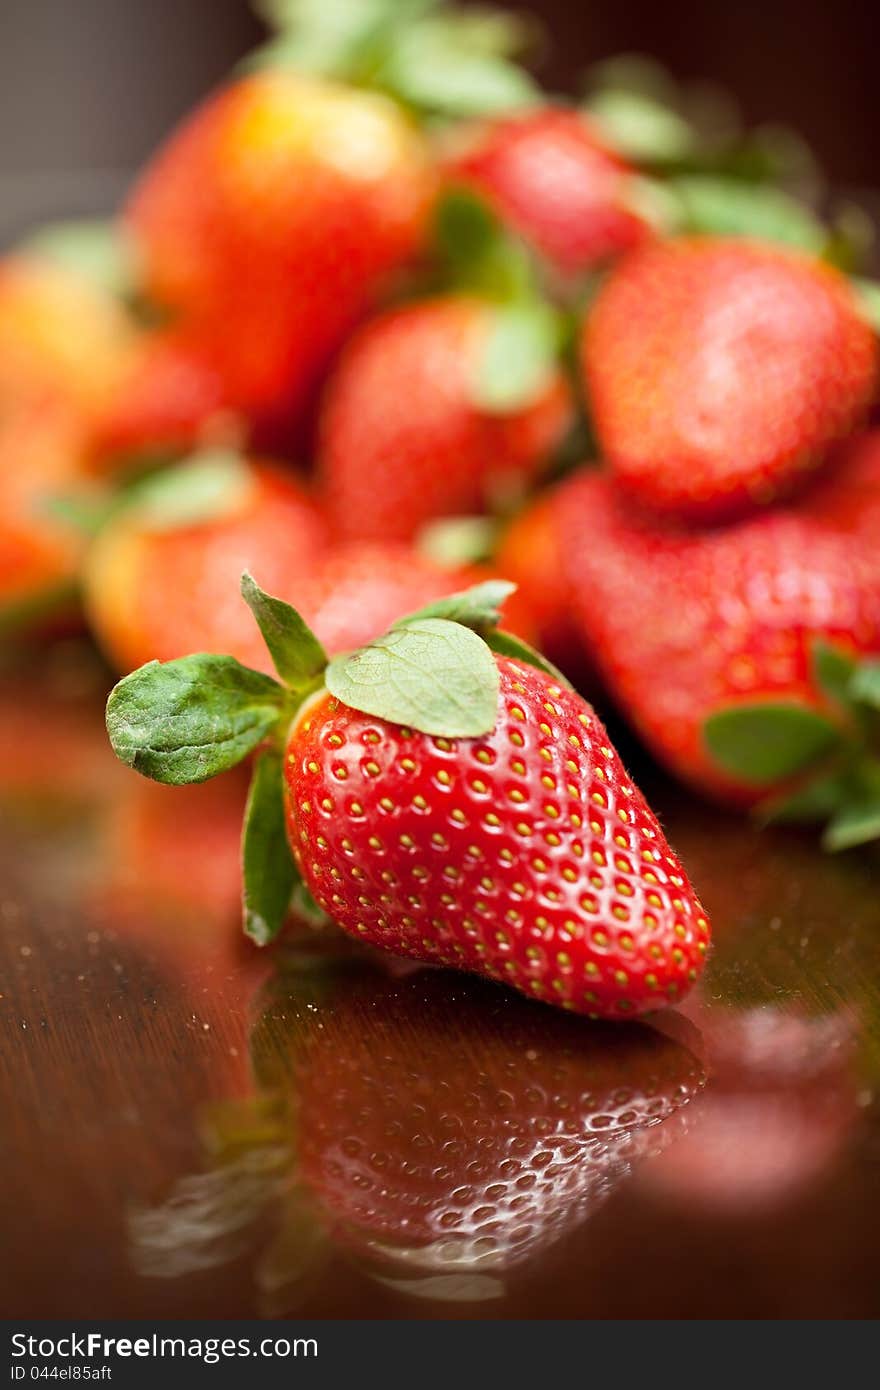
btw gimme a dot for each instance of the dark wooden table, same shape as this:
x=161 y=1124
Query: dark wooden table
x=189 y=1127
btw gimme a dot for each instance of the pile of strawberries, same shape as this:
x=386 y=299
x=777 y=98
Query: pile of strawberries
x=381 y=322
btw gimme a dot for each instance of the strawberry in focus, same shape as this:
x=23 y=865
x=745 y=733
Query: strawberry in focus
x=720 y=372
x=527 y=855
x=442 y=800
x=403 y=438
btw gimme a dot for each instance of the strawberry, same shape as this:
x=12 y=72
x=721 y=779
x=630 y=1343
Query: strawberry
x=736 y=652
x=403 y=436
x=60 y=337
x=170 y=399
x=551 y=177
x=720 y=371
x=442 y=801
x=270 y=221
x=156 y=574
x=42 y=454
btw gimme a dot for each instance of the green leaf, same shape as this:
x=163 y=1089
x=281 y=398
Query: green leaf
x=430 y=674
x=208 y=486
x=451 y=541
x=767 y=742
x=730 y=207
x=867 y=294
x=303 y=906
x=296 y=652
x=433 y=68
x=480 y=254
x=506 y=644
x=268 y=869
x=519 y=359
x=865 y=684
x=813 y=803
x=186 y=720
x=833 y=671
x=478 y=608
x=641 y=127
x=97 y=251
x=855 y=824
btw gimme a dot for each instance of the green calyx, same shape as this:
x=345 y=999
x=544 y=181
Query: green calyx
x=192 y=718
x=527 y=335
x=435 y=58
x=827 y=762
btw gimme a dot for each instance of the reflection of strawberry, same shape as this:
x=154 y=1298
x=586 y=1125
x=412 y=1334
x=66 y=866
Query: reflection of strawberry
x=444 y=1128
x=157 y=588
x=549 y=175
x=270 y=219
x=777 y=1112
x=686 y=625
x=720 y=372
x=402 y=439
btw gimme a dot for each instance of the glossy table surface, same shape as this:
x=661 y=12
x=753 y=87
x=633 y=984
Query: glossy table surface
x=191 y=1127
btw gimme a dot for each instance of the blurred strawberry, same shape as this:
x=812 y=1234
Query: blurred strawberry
x=550 y=176
x=60 y=336
x=530 y=555
x=169 y=400
x=270 y=221
x=741 y=655
x=407 y=432
x=719 y=372
x=161 y=578
x=42 y=453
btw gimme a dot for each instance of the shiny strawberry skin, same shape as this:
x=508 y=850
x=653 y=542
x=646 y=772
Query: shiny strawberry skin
x=400 y=441
x=271 y=219
x=549 y=175
x=684 y=623
x=720 y=372
x=527 y=856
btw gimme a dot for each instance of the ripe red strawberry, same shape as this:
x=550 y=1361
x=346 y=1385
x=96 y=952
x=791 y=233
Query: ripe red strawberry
x=527 y=855
x=497 y=831
x=402 y=437
x=689 y=627
x=551 y=177
x=720 y=371
x=270 y=221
